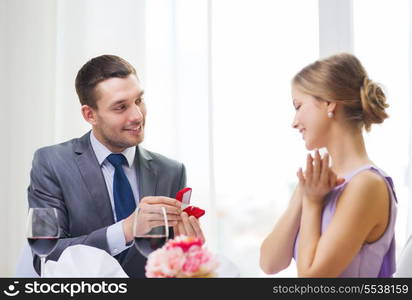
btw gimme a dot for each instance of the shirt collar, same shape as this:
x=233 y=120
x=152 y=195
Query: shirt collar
x=102 y=152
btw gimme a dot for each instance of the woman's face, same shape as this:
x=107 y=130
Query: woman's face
x=311 y=119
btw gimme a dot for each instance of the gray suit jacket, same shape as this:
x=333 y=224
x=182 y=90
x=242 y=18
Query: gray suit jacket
x=68 y=177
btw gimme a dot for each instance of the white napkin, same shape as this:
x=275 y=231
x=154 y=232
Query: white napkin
x=84 y=261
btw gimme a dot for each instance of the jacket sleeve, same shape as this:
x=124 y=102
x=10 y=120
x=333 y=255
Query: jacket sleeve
x=45 y=191
x=182 y=181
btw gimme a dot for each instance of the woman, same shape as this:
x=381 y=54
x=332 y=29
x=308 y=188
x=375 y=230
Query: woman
x=340 y=219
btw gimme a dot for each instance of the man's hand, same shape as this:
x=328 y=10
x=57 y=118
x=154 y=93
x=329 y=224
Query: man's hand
x=149 y=214
x=189 y=226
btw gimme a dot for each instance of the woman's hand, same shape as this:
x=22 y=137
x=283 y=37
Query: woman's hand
x=318 y=179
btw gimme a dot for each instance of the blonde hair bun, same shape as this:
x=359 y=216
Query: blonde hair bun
x=373 y=103
x=342 y=78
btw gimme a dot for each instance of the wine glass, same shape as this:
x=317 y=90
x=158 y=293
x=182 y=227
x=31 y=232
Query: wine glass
x=42 y=232
x=154 y=238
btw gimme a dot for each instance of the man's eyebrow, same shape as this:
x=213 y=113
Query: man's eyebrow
x=118 y=102
x=140 y=95
x=124 y=100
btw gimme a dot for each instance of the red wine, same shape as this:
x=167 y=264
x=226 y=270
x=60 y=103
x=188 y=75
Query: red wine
x=149 y=243
x=42 y=245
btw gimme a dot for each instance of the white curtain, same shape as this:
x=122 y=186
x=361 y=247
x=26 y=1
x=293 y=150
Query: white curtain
x=43 y=45
x=27 y=104
x=45 y=42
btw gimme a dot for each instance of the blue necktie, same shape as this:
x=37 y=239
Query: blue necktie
x=124 y=203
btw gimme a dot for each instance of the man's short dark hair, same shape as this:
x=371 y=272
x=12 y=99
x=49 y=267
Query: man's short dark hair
x=95 y=71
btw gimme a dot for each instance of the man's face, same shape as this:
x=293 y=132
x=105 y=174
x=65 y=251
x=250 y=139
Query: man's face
x=120 y=115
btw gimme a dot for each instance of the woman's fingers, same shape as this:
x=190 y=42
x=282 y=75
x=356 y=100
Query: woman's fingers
x=340 y=181
x=300 y=175
x=317 y=165
x=324 y=173
x=309 y=168
x=332 y=179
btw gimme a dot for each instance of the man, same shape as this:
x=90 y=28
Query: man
x=96 y=181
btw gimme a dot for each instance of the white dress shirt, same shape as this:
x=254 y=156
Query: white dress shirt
x=115 y=235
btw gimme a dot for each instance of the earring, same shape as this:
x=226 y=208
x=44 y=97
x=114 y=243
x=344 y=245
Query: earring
x=331 y=114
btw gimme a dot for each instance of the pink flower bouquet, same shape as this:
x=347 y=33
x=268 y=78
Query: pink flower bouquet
x=181 y=257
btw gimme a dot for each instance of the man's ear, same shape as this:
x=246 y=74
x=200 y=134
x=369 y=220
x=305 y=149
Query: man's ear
x=89 y=114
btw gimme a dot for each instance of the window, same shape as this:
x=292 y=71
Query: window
x=383 y=48
x=257 y=47
x=235 y=102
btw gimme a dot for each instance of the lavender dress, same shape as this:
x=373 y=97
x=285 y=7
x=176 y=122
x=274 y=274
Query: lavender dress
x=375 y=259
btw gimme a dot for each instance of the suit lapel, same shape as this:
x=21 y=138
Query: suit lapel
x=147 y=174
x=93 y=177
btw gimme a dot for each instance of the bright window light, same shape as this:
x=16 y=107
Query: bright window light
x=381 y=42
x=257 y=47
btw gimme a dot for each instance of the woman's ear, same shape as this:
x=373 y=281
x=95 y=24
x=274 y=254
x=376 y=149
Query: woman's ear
x=331 y=106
